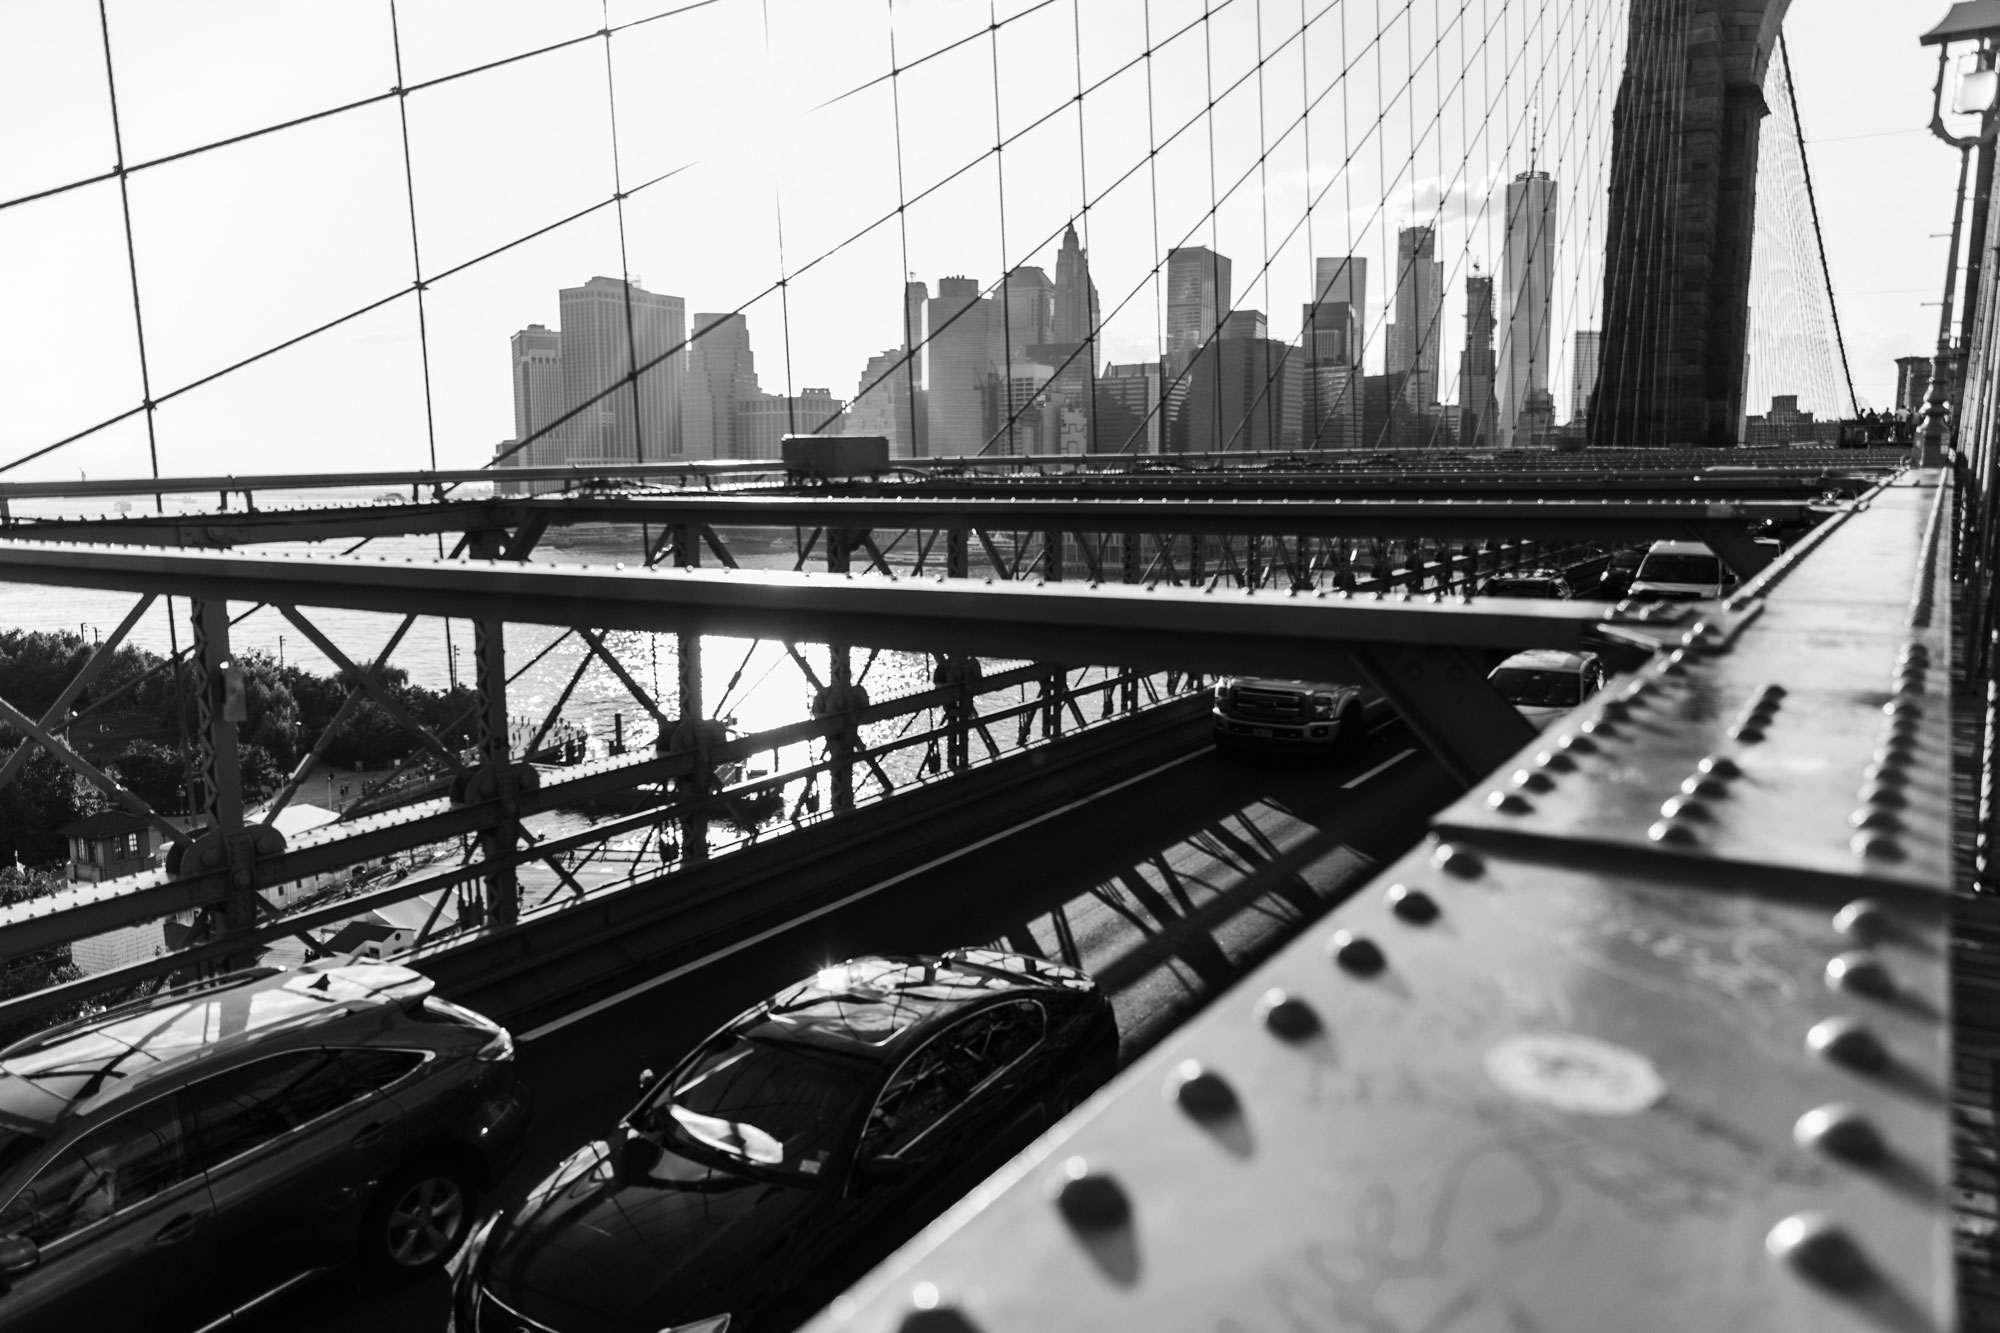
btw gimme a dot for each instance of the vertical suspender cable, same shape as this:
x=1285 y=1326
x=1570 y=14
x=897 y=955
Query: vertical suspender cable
x=1805 y=169
x=417 y=285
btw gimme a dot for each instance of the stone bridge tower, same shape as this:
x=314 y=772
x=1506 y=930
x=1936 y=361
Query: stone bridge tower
x=1680 y=222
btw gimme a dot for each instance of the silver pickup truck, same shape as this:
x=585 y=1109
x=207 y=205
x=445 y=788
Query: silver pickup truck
x=1263 y=712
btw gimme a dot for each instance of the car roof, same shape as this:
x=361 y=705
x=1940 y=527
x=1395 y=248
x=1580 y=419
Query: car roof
x=1546 y=659
x=107 y=1056
x=877 y=1007
x=1679 y=548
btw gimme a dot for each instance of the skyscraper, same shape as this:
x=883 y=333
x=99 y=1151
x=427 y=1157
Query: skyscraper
x=538 y=400
x=608 y=331
x=1583 y=376
x=915 y=296
x=1076 y=295
x=1031 y=310
x=1334 y=328
x=1416 y=335
x=763 y=421
x=1244 y=392
x=1129 y=418
x=1197 y=298
x=1345 y=279
x=961 y=367
x=1477 y=411
x=721 y=373
x=1529 y=282
x=885 y=405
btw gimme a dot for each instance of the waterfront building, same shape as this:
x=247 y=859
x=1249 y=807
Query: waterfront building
x=1128 y=417
x=961 y=367
x=609 y=329
x=1583 y=374
x=886 y=404
x=722 y=372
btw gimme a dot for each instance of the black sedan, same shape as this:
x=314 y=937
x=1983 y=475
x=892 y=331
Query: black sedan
x=794 y=1149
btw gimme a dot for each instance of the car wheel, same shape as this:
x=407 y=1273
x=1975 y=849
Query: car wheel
x=420 y=1218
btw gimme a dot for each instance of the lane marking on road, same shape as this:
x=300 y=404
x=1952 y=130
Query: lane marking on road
x=674 y=974
x=1379 y=769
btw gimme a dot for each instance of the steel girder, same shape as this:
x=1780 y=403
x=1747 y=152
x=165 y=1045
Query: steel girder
x=1134 y=626
x=1718 y=521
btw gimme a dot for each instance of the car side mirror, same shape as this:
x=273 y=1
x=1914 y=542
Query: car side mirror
x=637 y=1156
x=883 y=1170
x=18 y=1254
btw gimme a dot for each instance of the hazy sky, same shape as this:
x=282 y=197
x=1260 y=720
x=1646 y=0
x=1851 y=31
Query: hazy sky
x=1418 y=113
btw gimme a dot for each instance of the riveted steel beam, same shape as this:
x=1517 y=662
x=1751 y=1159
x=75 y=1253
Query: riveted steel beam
x=1218 y=505
x=1652 y=1034
x=1131 y=626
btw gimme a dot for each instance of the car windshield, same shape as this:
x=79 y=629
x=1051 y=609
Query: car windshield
x=1664 y=568
x=1538 y=689
x=773 y=1108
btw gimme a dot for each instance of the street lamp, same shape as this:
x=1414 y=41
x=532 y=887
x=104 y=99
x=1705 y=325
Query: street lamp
x=1978 y=22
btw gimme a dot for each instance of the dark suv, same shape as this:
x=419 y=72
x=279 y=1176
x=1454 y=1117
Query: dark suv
x=172 y=1162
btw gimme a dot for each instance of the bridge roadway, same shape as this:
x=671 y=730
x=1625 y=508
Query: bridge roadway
x=1166 y=887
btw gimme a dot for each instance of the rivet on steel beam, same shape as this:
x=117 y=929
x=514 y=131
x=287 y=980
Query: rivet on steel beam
x=1528 y=779
x=1882 y=773
x=1868 y=816
x=1091 y=1200
x=1903 y=708
x=1290 y=1019
x=1847 y=1041
x=1676 y=663
x=1704 y=786
x=1876 y=847
x=1864 y=919
x=1356 y=953
x=1818 y=1248
x=1555 y=761
x=1202 y=1094
x=1684 y=807
x=1575 y=744
x=1772 y=691
x=936 y=1319
x=1412 y=905
x=1840 y=1130
x=1747 y=732
x=1670 y=830
x=1882 y=794
x=1597 y=727
x=1456 y=860
x=1509 y=803
x=1862 y=972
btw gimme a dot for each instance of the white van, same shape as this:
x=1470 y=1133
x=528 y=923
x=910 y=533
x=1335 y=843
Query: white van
x=1681 y=572
x=1543 y=683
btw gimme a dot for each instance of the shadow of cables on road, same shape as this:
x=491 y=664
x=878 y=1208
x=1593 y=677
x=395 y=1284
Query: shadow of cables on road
x=1167 y=924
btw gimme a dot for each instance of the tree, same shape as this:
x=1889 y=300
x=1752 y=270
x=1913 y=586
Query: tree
x=156 y=773
x=34 y=808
